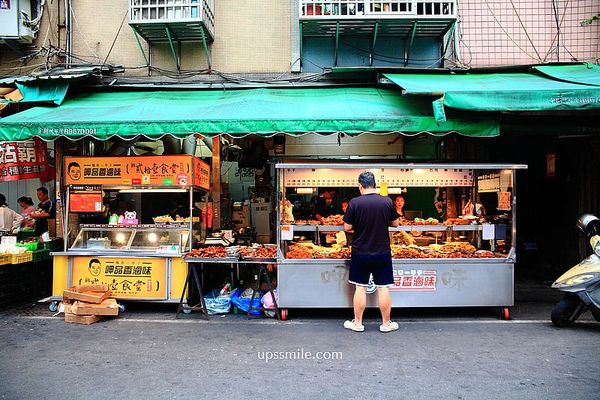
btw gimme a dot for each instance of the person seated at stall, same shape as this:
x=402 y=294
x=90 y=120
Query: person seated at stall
x=26 y=204
x=10 y=220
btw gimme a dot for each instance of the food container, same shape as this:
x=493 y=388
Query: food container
x=31 y=246
x=233 y=251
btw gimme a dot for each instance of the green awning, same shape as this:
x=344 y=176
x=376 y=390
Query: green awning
x=238 y=113
x=53 y=92
x=551 y=90
x=586 y=74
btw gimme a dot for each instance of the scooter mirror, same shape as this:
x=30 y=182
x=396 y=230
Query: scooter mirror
x=589 y=224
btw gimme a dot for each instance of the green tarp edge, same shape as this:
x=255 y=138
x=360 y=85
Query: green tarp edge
x=501 y=92
x=43 y=92
x=263 y=112
x=585 y=74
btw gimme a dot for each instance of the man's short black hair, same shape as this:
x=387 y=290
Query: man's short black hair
x=367 y=180
x=72 y=164
x=94 y=261
x=43 y=190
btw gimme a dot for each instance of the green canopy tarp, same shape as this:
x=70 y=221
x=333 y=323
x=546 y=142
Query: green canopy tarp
x=42 y=92
x=552 y=88
x=238 y=112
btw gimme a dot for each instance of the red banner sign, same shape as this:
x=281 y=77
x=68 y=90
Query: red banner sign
x=23 y=160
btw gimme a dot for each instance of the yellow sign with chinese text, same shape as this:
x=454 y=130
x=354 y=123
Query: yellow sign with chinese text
x=128 y=278
x=170 y=170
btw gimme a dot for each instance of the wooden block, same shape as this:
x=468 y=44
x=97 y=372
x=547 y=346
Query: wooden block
x=91 y=288
x=87 y=296
x=81 y=319
x=107 y=307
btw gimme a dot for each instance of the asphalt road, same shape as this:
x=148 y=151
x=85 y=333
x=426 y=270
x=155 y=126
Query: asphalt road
x=437 y=354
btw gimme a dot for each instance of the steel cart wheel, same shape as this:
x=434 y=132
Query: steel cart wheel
x=121 y=307
x=505 y=313
x=186 y=309
x=53 y=307
x=284 y=314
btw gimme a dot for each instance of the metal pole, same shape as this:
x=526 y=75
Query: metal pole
x=337 y=41
x=374 y=41
x=412 y=39
x=173 y=52
x=137 y=39
x=206 y=51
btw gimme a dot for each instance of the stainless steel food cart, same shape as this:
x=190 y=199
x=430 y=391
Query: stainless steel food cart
x=439 y=282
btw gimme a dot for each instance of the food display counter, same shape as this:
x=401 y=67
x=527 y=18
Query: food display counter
x=139 y=257
x=451 y=260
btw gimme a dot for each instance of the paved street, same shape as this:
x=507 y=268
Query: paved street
x=442 y=354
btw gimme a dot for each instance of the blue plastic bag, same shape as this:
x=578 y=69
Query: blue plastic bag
x=244 y=304
x=217 y=304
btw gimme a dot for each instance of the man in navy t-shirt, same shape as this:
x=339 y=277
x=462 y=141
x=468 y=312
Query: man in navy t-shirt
x=369 y=217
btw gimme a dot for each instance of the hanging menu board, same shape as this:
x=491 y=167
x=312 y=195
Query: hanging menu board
x=85 y=199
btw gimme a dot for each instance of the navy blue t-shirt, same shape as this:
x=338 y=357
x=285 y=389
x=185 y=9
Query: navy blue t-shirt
x=370 y=216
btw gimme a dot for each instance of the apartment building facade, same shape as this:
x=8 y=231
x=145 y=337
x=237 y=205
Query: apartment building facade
x=188 y=39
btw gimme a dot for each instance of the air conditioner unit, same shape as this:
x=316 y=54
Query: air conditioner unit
x=13 y=14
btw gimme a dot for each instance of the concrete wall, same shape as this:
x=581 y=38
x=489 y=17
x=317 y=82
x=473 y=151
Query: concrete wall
x=250 y=36
x=495 y=34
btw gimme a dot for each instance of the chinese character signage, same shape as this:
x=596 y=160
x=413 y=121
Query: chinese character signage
x=415 y=279
x=128 y=278
x=23 y=160
x=178 y=170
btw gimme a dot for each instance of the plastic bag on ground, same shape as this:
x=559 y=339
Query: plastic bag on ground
x=244 y=303
x=216 y=303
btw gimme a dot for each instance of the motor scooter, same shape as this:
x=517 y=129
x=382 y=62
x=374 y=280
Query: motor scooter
x=581 y=283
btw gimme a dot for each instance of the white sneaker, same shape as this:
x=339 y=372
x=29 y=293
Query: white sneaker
x=390 y=327
x=353 y=327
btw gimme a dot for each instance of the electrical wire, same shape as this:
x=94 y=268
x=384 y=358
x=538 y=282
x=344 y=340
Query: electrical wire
x=555 y=12
x=81 y=33
x=525 y=30
x=507 y=34
x=116 y=36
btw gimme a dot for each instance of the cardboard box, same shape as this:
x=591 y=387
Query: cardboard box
x=81 y=319
x=107 y=307
x=88 y=293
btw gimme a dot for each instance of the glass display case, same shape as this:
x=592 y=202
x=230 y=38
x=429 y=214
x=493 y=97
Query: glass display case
x=146 y=238
x=455 y=245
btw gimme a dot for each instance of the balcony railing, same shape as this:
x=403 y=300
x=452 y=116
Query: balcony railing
x=370 y=9
x=174 y=13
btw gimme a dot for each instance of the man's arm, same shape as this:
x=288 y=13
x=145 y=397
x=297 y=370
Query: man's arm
x=348 y=227
x=18 y=218
x=395 y=223
x=39 y=214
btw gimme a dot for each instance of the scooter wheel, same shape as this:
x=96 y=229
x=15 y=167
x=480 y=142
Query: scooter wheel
x=284 y=314
x=566 y=311
x=505 y=313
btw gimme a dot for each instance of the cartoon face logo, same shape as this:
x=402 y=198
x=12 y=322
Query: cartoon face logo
x=95 y=267
x=130 y=215
x=74 y=171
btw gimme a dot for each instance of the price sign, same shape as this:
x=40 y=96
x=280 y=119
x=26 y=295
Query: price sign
x=287 y=232
x=504 y=201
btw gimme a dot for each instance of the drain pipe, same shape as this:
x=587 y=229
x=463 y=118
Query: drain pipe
x=68 y=44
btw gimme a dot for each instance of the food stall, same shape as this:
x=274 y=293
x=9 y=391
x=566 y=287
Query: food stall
x=460 y=260
x=123 y=244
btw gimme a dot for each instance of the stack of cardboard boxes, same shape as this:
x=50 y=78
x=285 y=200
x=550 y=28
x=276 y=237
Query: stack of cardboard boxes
x=86 y=304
